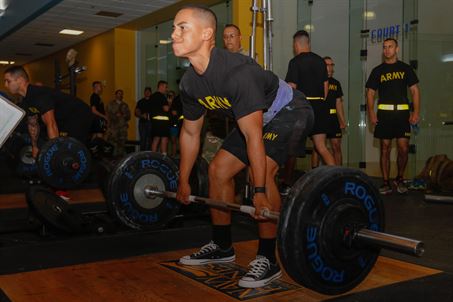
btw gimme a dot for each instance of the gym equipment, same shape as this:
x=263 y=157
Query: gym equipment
x=52 y=210
x=10 y=115
x=266 y=10
x=133 y=208
x=63 y=162
x=331 y=227
x=59 y=216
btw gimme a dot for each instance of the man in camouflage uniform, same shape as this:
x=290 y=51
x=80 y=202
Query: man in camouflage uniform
x=118 y=115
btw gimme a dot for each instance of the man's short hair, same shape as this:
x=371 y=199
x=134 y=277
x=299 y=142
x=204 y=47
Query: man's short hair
x=327 y=58
x=147 y=88
x=161 y=82
x=233 y=25
x=95 y=83
x=17 y=71
x=392 y=39
x=204 y=12
x=301 y=34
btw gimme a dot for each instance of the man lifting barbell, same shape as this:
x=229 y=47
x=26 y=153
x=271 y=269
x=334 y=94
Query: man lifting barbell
x=62 y=114
x=238 y=87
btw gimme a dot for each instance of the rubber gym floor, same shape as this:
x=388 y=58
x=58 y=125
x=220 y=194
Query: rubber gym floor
x=125 y=265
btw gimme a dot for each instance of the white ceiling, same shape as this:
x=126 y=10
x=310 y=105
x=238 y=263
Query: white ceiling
x=73 y=14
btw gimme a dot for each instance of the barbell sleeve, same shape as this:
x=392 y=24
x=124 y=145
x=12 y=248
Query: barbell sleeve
x=150 y=192
x=389 y=241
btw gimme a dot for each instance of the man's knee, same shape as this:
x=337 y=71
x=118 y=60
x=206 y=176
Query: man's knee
x=217 y=173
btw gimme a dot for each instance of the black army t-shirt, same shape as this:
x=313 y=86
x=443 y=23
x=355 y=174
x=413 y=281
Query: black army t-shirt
x=95 y=100
x=145 y=106
x=391 y=82
x=69 y=111
x=309 y=72
x=157 y=102
x=334 y=93
x=233 y=84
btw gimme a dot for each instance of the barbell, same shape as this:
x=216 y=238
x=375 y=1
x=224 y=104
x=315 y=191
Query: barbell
x=330 y=229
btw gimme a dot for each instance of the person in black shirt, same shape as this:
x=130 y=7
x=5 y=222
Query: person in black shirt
x=142 y=111
x=160 y=118
x=62 y=114
x=272 y=118
x=97 y=107
x=336 y=120
x=175 y=120
x=307 y=72
x=392 y=121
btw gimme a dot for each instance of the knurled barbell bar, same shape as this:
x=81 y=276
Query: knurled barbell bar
x=330 y=228
x=352 y=235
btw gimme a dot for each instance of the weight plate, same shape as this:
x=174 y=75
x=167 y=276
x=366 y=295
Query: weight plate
x=64 y=163
x=53 y=211
x=315 y=221
x=126 y=187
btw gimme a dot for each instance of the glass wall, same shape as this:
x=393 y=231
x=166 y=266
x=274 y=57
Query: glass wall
x=351 y=32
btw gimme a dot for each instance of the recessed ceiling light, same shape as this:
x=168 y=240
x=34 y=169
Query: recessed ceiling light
x=44 y=44
x=71 y=32
x=108 y=14
x=369 y=15
x=7 y=62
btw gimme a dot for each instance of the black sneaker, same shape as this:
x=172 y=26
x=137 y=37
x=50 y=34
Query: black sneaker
x=209 y=253
x=385 y=188
x=261 y=273
x=400 y=185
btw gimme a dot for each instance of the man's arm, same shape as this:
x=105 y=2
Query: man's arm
x=33 y=131
x=293 y=85
x=96 y=112
x=51 y=124
x=415 y=115
x=340 y=112
x=189 y=142
x=370 y=93
x=251 y=126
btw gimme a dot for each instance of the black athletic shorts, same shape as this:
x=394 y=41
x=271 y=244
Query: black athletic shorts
x=334 y=130
x=284 y=135
x=99 y=125
x=160 y=128
x=321 y=111
x=392 y=124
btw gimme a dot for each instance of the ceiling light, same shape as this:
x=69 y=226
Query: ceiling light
x=108 y=14
x=4 y=62
x=71 y=32
x=447 y=58
x=369 y=15
x=4 y=4
x=309 y=27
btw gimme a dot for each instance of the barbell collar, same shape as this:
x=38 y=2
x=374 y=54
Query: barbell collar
x=389 y=241
x=150 y=192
